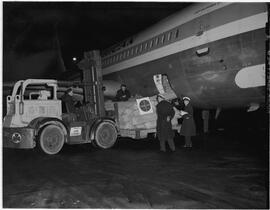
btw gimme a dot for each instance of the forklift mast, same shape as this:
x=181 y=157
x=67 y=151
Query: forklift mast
x=92 y=82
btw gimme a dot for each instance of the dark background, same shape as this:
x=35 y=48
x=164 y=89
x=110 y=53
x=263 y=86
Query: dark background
x=41 y=38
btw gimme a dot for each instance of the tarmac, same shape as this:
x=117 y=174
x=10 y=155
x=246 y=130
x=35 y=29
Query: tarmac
x=221 y=171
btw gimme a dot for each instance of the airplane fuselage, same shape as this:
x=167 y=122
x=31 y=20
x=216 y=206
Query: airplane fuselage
x=212 y=52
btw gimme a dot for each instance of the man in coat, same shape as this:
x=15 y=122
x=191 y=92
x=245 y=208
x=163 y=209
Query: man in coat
x=122 y=94
x=188 y=128
x=69 y=103
x=165 y=133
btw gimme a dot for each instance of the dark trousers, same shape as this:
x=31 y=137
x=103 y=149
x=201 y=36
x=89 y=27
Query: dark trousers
x=163 y=146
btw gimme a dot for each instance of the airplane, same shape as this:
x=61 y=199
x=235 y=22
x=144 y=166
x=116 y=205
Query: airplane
x=213 y=53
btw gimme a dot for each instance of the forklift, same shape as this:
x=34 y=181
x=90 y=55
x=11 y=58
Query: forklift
x=36 y=117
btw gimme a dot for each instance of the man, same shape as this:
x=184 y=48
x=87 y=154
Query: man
x=178 y=104
x=68 y=100
x=122 y=94
x=188 y=128
x=165 y=133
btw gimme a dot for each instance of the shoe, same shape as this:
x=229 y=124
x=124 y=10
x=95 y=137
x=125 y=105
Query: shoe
x=185 y=146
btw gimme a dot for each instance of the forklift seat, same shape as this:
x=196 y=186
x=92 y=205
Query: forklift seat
x=69 y=117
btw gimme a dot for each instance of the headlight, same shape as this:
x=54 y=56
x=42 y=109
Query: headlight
x=16 y=138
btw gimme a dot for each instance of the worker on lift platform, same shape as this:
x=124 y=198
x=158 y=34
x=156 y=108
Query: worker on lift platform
x=122 y=94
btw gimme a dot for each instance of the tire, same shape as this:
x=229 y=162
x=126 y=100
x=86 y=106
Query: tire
x=51 y=139
x=105 y=135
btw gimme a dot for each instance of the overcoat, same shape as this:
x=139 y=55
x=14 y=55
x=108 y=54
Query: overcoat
x=188 y=127
x=164 y=127
x=122 y=95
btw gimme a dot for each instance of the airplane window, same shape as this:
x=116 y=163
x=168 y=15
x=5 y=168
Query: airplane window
x=157 y=41
x=162 y=39
x=124 y=55
x=169 y=36
x=117 y=56
x=151 y=43
x=177 y=33
x=120 y=56
x=145 y=46
x=127 y=53
x=140 y=47
x=131 y=51
x=136 y=50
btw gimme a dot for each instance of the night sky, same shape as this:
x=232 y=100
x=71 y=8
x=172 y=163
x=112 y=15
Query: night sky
x=36 y=35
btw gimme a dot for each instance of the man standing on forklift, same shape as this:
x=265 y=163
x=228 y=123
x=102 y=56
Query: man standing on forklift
x=122 y=94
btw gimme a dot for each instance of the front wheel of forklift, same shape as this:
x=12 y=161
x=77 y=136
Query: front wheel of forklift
x=105 y=135
x=51 y=139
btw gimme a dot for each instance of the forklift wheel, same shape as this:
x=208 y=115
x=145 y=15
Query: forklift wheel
x=105 y=135
x=51 y=139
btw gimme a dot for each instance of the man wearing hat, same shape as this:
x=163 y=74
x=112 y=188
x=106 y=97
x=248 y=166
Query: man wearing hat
x=188 y=128
x=165 y=133
x=68 y=100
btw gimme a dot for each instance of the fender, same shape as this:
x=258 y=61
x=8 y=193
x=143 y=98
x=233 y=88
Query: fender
x=96 y=124
x=40 y=122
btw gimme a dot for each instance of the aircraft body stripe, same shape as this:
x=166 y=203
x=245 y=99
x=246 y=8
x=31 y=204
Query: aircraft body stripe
x=188 y=14
x=230 y=29
x=187 y=22
x=219 y=14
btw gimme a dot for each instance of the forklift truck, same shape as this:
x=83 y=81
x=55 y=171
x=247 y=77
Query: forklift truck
x=36 y=118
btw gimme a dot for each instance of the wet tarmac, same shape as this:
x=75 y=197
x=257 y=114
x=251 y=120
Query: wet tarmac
x=221 y=171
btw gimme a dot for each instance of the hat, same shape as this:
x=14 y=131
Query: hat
x=186 y=98
x=69 y=90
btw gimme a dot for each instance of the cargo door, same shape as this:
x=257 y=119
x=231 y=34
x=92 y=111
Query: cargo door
x=164 y=87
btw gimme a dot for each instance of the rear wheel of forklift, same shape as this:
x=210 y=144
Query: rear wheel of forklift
x=105 y=135
x=51 y=139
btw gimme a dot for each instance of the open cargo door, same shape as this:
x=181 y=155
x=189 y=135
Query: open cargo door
x=164 y=87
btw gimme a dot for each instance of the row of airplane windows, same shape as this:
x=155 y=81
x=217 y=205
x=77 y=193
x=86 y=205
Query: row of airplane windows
x=118 y=47
x=153 y=43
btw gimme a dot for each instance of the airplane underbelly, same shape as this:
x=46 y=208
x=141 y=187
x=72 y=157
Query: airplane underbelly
x=207 y=73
